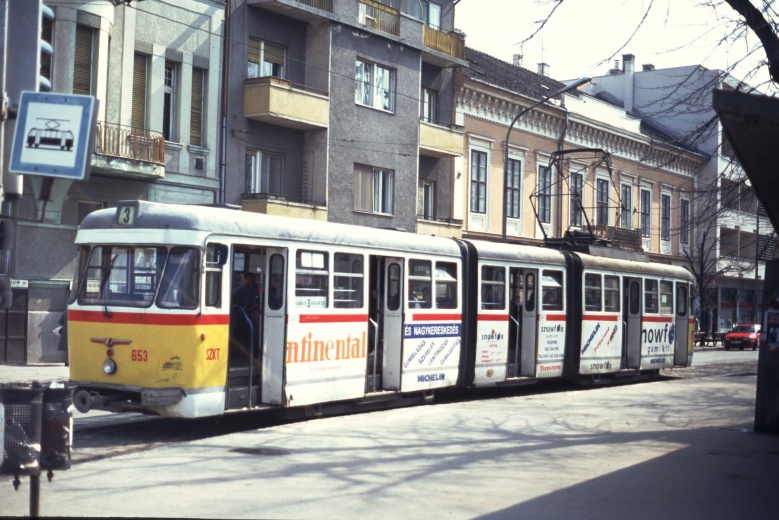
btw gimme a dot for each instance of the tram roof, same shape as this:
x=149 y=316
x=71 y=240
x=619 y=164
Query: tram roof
x=517 y=253
x=230 y=222
x=643 y=268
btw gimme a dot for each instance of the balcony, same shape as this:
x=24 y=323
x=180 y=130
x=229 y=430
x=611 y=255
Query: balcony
x=440 y=140
x=128 y=151
x=449 y=43
x=380 y=17
x=440 y=227
x=304 y=10
x=270 y=204
x=274 y=101
x=622 y=238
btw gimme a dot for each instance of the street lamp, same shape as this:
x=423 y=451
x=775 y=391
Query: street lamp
x=570 y=86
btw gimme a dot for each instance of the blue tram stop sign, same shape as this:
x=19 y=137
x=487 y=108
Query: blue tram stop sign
x=54 y=135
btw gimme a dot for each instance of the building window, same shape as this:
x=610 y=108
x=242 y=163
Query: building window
x=665 y=217
x=514 y=176
x=82 y=61
x=139 y=92
x=545 y=194
x=433 y=15
x=684 y=222
x=196 y=111
x=429 y=102
x=169 y=104
x=646 y=213
x=374 y=86
x=373 y=189
x=478 y=181
x=577 y=183
x=265 y=59
x=264 y=172
x=47 y=29
x=427 y=199
x=602 y=202
x=627 y=206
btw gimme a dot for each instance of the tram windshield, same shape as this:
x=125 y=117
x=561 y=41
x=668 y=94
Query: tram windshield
x=134 y=276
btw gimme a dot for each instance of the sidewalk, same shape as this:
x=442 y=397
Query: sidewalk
x=30 y=373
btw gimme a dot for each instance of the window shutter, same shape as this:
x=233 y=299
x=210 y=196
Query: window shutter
x=274 y=54
x=254 y=50
x=196 y=115
x=82 y=62
x=139 y=93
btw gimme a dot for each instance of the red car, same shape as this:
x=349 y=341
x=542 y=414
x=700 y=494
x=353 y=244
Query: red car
x=743 y=335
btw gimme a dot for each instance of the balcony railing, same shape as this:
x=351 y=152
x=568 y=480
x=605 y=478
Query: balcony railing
x=379 y=16
x=450 y=43
x=129 y=143
x=324 y=5
x=622 y=238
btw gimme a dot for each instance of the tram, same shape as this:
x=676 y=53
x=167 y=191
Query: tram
x=159 y=321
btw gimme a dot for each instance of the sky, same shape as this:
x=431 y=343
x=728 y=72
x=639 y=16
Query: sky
x=584 y=37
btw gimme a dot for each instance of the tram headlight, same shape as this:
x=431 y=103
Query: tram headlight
x=109 y=366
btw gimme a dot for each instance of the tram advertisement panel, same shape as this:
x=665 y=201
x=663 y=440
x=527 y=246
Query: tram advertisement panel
x=601 y=348
x=657 y=342
x=431 y=354
x=492 y=348
x=551 y=345
x=325 y=358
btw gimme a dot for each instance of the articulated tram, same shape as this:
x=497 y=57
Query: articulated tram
x=159 y=320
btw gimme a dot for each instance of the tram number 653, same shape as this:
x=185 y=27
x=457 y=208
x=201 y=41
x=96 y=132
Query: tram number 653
x=140 y=355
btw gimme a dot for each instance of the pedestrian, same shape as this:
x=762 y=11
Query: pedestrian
x=62 y=332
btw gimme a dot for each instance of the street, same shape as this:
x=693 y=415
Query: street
x=679 y=447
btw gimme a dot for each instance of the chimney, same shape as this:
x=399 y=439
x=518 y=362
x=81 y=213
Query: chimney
x=543 y=69
x=629 y=64
x=648 y=66
x=616 y=71
x=517 y=60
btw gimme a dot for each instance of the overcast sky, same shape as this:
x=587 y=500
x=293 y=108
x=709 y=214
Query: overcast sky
x=583 y=34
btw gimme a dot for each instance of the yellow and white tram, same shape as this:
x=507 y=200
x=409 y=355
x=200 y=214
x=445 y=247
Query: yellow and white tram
x=159 y=321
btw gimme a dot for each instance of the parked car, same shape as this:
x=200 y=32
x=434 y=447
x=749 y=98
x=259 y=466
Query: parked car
x=743 y=335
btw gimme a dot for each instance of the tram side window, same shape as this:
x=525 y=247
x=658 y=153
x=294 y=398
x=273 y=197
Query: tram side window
x=530 y=292
x=493 y=287
x=445 y=285
x=592 y=292
x=216 y=257
x=348 y=281
x=681 y=300
x=420 y=283
x=311 y=277
x=552 y=286
x=650 y=296
x=277 y=282
x=611 y=299
x=179 y=286
x=666 y=297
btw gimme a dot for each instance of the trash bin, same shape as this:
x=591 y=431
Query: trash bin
x=20 y=409
x=57 y=426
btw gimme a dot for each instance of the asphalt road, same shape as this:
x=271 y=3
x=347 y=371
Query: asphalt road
x=679 y=447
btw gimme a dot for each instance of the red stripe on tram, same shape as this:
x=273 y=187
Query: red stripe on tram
x=436 y=317
x=148 y=318
x=593 y=317
x=657 y=319
x=554 y=317
x=493 y=317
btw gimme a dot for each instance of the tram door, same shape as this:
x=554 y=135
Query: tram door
x=516 y=303
x=631 y=320
x=272 y=340
x=385 y=314
x=528 y=331
x=682 y=322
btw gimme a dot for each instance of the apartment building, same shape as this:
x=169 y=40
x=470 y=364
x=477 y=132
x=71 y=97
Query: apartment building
x=732 y=236
x=574 y=163
x=155 y=69
x=341 y=111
